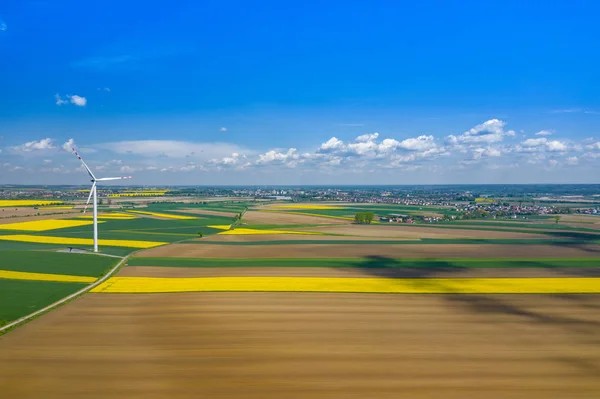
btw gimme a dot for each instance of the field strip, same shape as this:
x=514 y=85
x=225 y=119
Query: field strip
x=11 y=275
x=353 y=285
x=309 y=214
x=65 y=299
x=80 y=241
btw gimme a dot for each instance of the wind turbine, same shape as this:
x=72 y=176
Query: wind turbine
x=93 y=193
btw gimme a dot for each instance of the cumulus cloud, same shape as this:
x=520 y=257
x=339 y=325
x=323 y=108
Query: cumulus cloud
x=47 y=161
x=479 y=153
x=73 y=99
x=69 y=145
x=44 y=144
x=77 y=100
x=367 y=137
x=275 y=156
x=544 y=133
x=542 y=144
x=3 y=26
x=491 y=131
x=420 y=143
x=333 y=144
x=223 y=129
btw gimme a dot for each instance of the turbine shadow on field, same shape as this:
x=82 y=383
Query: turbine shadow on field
x=496 y=307
x=575 y=239
x=381 y=266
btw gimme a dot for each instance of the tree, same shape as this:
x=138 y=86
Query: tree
x=364 y=217
x=200 y=234
x=556 y=219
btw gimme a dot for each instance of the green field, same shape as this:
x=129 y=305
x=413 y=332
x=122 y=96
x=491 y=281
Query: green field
x=374 y=262
x=56 y=263
x=19 y=298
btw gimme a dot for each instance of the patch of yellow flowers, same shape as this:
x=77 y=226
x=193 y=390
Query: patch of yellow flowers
x=164 y=215
x=12 y=275
x=4 y=203
x=220 y=227
x=80 y=241
x=43 y=225
x=559 y=285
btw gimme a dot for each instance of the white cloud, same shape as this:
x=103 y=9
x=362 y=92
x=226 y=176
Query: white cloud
x=106 y=89
x=491 y=131
x=556 y=146
x=534 y=142
x=595 y=146
x=552 y=163
x=47 y=161
x=418 y=144
x=77 y=100
x=274 y=156
x=69 y=145
x=479 y=153
x=3 y=26
x=367 y=137
x=44 y=144
x=59 y=101
x=544 y=133
x=223 y=129
x=127 y=169
x=333 y=144
x=542 y=144
x=572 y=160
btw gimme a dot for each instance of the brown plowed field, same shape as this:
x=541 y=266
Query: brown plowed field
x=291 y=345
x=412 y=232
x=358 y=251
x=286 y=218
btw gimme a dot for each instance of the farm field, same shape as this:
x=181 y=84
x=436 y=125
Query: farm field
x=436 y=310
x=298 y=345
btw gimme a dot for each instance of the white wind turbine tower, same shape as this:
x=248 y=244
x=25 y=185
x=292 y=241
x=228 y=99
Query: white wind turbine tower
x=93 y=193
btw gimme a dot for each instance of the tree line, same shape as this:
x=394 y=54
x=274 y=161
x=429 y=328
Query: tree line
x=364 y=217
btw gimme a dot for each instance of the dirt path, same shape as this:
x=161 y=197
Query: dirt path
x=256 y=345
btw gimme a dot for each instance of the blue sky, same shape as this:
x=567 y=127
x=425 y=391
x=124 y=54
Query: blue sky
x=300 y=92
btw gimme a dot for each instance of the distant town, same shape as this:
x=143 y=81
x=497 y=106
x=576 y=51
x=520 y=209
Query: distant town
x=437 y=203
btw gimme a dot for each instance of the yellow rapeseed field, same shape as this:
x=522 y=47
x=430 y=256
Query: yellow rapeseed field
x=220 y=227
x=300 y=206
x=4 y=203
x=11 y=275
x=243 y=231
x=165 y=215
x=80 y=241
x=586 y=285
x=43 y=225
x=52 y=207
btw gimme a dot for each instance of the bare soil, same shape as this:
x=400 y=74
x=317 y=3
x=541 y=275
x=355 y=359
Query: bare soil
x=286 y=218
x=158 y=271
x=288 y=237
x=307 y=345
x=411 y=232
x=353 y=251
x=43 y=216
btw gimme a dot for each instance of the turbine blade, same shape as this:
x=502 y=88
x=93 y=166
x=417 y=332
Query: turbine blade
x=114 y=178
x=84 y=165
x=90 y=197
